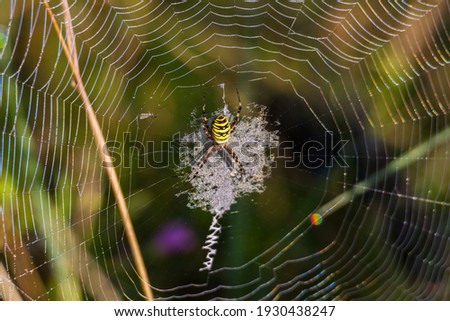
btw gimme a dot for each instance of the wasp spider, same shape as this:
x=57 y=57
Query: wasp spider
x=219 y=133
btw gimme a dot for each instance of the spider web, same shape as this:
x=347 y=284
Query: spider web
x=372 y=74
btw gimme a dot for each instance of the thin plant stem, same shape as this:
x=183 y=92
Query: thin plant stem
x=396 y=165
x=72 y=57
x=8 y=290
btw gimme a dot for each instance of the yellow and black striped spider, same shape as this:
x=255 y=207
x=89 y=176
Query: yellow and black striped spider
x=219 y=132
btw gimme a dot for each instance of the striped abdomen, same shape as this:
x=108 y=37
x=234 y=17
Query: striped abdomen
x=220 y=129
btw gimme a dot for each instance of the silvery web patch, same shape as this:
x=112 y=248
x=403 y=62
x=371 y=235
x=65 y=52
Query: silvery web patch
x=220 y=183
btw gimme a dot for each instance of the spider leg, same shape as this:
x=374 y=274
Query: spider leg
x=203 y=160
x=238 y=114
x=234 y=156
x=205 y=125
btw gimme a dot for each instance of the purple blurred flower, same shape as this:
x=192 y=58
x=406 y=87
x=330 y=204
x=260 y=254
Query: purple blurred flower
x=174 y=238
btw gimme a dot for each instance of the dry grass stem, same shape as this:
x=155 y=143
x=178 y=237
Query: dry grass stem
x=100 y=142
x=8 y=290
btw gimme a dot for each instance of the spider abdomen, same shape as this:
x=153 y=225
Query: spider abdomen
x=221 y=129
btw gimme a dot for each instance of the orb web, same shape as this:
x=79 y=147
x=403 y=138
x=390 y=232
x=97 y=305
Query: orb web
x=375 y=75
